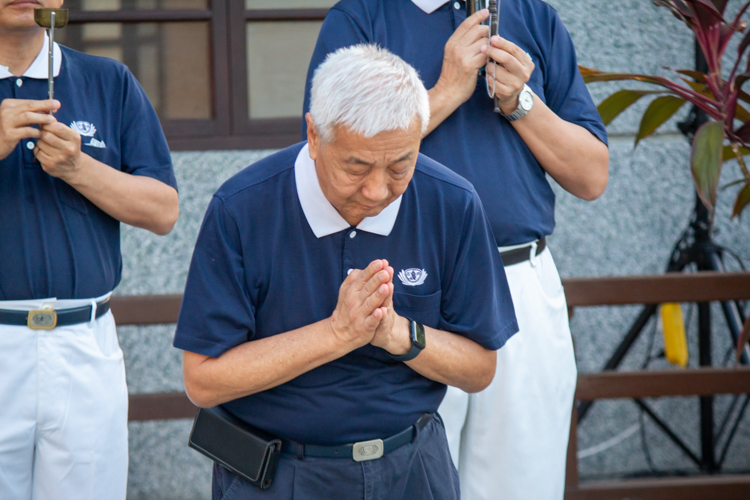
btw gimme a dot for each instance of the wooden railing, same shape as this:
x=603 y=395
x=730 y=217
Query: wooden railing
x=580 y=292
x=698 y=287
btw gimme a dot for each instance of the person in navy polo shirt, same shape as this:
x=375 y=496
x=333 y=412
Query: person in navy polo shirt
x=510 y=440
x=71 y=169
x=311 y=270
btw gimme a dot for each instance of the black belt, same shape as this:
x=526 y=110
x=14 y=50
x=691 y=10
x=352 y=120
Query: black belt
x=46 y=319
x=364 y=450
x=522 y=254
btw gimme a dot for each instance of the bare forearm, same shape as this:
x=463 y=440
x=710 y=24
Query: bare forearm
x=259 y=365
x=455 y=360
x=133 y=199
x=569 y=153
x=442 y=104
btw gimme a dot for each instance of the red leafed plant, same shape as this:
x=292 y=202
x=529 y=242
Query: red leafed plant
x=725 y=138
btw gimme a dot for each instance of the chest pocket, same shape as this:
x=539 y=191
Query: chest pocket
x=422 y=308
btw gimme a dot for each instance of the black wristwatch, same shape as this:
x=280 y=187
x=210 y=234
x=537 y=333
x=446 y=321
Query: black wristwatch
x=416 y=331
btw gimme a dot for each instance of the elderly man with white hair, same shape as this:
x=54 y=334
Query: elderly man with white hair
x=337 y=287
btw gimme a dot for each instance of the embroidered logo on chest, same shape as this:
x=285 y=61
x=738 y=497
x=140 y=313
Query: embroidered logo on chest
x=86 y=129
x=412 y=276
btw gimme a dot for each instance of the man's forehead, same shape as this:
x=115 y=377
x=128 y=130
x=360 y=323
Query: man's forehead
x=388 y=141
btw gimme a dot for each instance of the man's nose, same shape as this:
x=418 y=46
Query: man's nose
x=376 y=188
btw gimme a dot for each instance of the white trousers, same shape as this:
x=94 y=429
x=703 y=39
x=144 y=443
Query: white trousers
x=63 y=411
x=509 y=441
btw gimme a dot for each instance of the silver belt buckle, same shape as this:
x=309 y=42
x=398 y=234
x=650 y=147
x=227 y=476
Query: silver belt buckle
x=367 y=450
x=42 y=319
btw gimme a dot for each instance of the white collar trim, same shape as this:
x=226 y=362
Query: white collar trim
x=323 y=218
x=429 y=6
x=38 y=68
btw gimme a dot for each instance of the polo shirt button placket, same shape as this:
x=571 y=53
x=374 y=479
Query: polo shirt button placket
x=347 y=259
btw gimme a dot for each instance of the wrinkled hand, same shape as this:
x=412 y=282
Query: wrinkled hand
x=59 y=151
x=17 y=120
x=392 y=333
x=360 y=308
x=463 y=57
x=512 y=71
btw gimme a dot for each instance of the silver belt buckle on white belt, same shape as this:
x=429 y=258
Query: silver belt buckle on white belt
x=367 y=450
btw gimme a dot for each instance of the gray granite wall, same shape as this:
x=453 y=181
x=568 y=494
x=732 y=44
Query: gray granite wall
x=629 y=230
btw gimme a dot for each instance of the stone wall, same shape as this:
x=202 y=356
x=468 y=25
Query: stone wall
x=629 y=230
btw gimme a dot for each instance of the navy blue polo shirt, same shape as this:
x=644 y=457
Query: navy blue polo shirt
x=475 y=142
x=271 y=256
x=53 y=241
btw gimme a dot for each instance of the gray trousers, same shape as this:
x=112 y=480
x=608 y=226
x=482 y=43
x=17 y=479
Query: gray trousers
x=421 y=470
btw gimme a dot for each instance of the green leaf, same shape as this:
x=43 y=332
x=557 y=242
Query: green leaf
x=705 y=161
x=741 y=114
x=660 y=110
x=743 y=198
x=739 y=81
x=701 y=88
x=695 y=75
x=728 y=154
x=730 y=184
x=618 y=102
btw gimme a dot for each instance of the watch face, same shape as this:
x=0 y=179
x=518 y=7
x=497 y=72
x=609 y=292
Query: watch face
x=526 y=100
x=419 y=335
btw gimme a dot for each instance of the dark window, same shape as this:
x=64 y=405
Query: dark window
x=221 y=74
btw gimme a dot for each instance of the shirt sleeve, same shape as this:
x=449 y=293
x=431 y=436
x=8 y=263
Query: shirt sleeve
x=338 y=30
x=143 y=147
x=564 y=89
x=217 y=312
x=476 y=300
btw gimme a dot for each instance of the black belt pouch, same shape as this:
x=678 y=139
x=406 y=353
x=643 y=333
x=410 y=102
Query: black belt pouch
x=227 y=440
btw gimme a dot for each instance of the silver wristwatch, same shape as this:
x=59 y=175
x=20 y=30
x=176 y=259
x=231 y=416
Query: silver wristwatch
x=525 y=103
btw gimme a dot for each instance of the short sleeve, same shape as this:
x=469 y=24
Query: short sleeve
x=564 y=89
x=338 y=30
x=143 y=147
x=216 y=313
x=476 y=300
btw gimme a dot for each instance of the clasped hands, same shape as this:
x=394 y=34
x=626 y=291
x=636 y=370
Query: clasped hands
x=468 y=50
x=364 y=313
x=58 y=147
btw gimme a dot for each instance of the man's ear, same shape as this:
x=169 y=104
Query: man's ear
x=313 y=138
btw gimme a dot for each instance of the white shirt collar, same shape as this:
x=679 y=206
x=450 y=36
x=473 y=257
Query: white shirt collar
x=323 y=218
x=429 y=6
x=38 y=68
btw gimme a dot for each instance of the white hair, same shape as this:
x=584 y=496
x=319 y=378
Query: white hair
x=369 y=90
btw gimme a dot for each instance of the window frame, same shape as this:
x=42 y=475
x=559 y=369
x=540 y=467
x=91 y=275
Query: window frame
x=267 y=132
x=231 y=127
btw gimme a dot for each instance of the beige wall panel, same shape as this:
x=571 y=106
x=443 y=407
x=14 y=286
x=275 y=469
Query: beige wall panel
x=186 y=57
x=277 y=57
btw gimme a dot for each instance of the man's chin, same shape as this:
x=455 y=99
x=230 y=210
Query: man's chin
x=369 y=212
x=20 y=18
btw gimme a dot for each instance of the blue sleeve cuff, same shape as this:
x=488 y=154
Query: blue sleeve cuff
x=163 y=174
x=496 y=342
x=189 y=343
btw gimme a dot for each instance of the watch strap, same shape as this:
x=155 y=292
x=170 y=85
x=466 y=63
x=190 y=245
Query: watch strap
x=415 y=347
x=519 y=112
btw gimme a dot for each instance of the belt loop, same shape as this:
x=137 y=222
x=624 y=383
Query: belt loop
x=93 y=313
x=532 y=254
x=415 y=436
